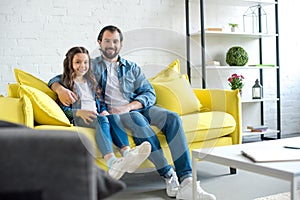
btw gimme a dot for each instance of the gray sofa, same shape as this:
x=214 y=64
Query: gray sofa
x=48 y=165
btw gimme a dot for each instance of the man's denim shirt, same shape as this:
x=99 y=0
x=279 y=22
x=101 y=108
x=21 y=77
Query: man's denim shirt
x=133 y=83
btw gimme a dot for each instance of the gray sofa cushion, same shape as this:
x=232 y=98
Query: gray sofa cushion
x=56 y=164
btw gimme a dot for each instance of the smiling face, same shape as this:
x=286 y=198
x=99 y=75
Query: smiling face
x=110 y=45
x=80 y=64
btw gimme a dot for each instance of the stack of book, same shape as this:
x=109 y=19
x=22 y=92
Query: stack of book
x=260 y=128
x=214 y=29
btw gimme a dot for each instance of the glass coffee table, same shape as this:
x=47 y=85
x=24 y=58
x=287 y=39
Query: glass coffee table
x=231 y=156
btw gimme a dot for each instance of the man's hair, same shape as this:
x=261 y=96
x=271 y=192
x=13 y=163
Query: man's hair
x=111 y=29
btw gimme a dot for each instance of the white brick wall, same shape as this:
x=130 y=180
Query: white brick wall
x=35 y=35
x=290 y=67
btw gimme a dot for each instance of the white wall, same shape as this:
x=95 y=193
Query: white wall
x=290 y=67
x=35 y=35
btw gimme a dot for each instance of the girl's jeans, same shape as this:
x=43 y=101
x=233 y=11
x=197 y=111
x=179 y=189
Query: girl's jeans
x=108 y=130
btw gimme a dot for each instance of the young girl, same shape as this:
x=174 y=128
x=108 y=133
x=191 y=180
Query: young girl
x=90 y=111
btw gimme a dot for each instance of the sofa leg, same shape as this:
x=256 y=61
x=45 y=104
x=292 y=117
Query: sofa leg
x=232 y=170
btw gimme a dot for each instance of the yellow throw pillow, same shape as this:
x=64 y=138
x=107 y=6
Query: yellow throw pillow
x=174 y=92
x=45 y=109
x=169 y=73
x=28 y=111
x=13 y=90
x=24 y=78
x=176 y=95
x=17 y=110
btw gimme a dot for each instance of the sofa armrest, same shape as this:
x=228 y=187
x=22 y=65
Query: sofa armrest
x=56 y=164
x=223 y=100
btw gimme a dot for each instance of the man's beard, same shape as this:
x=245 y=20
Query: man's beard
x=108 y=55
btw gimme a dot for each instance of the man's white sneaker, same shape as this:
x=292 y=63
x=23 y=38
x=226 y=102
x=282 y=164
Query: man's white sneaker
x=186 y=192
x=172 y=185
x=137 y=156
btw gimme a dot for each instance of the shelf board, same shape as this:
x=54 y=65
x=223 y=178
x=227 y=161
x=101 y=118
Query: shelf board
x=241 y=2
x=234 y=34
x=249 y=133
x=258 y=100
x=236 y=67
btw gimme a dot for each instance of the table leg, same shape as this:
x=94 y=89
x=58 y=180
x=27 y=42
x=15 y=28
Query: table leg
x=194 y=174
x=294 y=192
x=232 y=170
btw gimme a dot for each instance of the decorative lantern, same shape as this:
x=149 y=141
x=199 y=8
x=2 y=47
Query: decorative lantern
x=257 y=90
x=255 y=20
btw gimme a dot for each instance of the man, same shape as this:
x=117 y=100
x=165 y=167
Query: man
x=128 y=93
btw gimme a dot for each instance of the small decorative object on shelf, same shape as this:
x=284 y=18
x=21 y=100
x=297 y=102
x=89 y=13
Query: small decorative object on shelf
x=233 y=26
x=257 y=90
x=236 y=56
x=214 y=29
x=236 y=82
x=251 y=19
x=213 y=63
x=261 y=128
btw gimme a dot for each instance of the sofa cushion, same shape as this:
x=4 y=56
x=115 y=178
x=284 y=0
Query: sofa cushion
x=168 y=73
x=24 y=78
x=90 y=134
x=176 y=95
x=53 y=162
x=174 y=92
x=204 y=126
x=13 y=90
x=207 y=125
x=17 y=110
x=45 y=109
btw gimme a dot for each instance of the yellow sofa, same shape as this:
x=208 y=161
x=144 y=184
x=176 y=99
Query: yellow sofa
x=220 y=126
x=217 y=125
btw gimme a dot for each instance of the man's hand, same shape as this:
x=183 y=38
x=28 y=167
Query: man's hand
x=66 y=96
x=104 y=113
x=126 y=108
x=86 y=115
x=120 y=109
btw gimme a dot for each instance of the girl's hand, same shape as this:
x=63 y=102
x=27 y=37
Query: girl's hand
x=86 y=115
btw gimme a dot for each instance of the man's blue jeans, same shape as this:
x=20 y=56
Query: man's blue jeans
x=108 y=130
x=170 y=124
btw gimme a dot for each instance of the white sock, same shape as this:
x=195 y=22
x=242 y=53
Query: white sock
x=125 y=152
x=111 y=160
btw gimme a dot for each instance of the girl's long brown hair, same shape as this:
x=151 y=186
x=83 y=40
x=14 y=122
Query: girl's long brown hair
x=69 y=74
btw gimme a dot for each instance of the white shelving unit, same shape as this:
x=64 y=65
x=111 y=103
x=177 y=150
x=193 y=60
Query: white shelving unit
x=233 y=34
x=267 y=132
x=210 y=43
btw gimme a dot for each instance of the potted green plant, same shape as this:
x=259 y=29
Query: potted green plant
x=236 y=56
x=233 y=26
